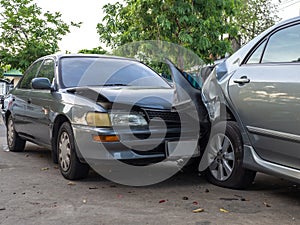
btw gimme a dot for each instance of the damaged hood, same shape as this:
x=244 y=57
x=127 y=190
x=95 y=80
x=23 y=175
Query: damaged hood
x=144 y=97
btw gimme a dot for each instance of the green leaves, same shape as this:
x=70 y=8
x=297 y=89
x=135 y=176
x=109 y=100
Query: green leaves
x=206 y=27
x=27 y=33
x=98 y=50
x=254 y=17
x=195 y=24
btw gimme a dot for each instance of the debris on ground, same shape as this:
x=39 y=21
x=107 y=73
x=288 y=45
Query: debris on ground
x=229 y=199
x=224 y=210
x=241 y=198
x=92 y=188
x=44 y=168
x=71 y=183
x=267 y=205
x=198 y=210
x=119 y=196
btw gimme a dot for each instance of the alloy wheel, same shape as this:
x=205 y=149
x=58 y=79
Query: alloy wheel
x=222 y=157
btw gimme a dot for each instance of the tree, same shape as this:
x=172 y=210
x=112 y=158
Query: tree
x=4 y=69
x=97 y=50
x=254 y=17
x=199 y=25
x=27 y=33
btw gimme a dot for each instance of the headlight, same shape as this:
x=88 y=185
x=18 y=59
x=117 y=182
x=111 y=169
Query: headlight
x=97 y=119
x=127 y=120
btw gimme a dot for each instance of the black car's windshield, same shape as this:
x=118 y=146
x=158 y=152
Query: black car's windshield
x=93 y=71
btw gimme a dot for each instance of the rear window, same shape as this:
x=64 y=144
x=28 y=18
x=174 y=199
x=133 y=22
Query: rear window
x=89 y=71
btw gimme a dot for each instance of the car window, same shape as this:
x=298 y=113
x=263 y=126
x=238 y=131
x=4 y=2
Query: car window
x=256 y=55
x=47 y=69
x=88 y=71
x=25 y=83
x=283 y=46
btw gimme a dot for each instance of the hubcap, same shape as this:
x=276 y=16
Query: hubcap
x=64 y=151
x=10 y=132
x=221 y=157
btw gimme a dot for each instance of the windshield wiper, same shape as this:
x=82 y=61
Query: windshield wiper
x=107 y=85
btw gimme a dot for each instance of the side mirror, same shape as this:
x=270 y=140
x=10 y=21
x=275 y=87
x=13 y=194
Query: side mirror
x=41 y=83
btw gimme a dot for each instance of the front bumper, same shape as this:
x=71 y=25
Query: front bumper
x=134 y=145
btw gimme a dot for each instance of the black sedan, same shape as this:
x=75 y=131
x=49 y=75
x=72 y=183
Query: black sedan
x=91 y=107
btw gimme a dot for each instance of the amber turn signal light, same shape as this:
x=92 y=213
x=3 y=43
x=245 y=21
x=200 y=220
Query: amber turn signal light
x=106 y=138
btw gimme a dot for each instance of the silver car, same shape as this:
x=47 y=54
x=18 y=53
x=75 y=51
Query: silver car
x=259 y=93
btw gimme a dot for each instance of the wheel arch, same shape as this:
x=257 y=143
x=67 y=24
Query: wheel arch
x=59 y=120
x=226 y=114
x=231 y=115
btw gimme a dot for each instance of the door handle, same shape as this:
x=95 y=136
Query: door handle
x=29 y=100
x=242 y=80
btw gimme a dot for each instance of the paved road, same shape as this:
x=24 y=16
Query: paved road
x=32 y=191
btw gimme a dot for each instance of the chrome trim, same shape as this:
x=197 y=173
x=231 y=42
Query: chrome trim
x=273 y=133
x=252 y=161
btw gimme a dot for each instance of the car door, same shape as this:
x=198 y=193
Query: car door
x=266 y=94
x=21 y=99
x=40 y=105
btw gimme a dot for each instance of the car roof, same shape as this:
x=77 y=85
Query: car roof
x=59 y=56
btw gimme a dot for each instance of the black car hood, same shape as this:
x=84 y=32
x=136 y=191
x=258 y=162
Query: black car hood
x=144 y=97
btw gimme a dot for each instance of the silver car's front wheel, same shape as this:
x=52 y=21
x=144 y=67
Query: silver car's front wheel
x=225 y=157
x=222 y=156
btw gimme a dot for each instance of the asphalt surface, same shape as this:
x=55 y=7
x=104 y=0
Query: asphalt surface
x=32 y=191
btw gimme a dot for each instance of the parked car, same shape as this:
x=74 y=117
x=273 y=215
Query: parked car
x=2 y=102
x=66 y=101
x=5 y=86
x=261 y=96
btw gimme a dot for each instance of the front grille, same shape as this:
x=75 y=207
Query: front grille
x=167 y=116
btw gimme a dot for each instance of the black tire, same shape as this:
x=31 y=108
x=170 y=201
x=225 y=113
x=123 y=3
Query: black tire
x=70 y=166
x=14 y=142
x=227 y=158
x=54 y=155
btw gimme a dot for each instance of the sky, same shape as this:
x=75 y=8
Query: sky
x=87 y=11
x=288 y=8
x=90 y=13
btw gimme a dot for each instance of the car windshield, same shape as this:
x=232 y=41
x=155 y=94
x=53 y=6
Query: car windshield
x=95 y=71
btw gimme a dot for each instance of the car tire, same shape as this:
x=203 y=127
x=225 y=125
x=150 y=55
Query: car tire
x=70 y=166
x=226 y=169
x=14 y=142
